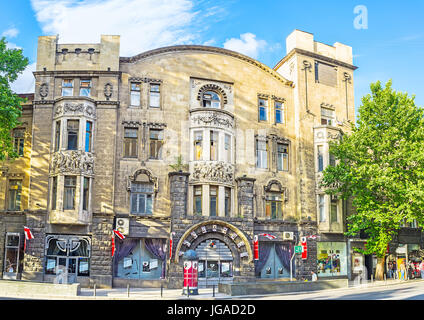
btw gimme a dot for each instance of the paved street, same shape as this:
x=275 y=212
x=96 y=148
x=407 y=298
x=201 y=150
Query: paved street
x=410 y=290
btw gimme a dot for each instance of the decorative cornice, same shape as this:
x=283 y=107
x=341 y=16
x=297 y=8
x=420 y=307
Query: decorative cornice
x=144 y=79
x=134 y=124
x=206 y=49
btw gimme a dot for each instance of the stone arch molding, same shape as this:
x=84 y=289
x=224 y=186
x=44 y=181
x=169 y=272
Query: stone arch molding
x=215 y=226
x=152 y=178
x=213 y=87
x=280 y=188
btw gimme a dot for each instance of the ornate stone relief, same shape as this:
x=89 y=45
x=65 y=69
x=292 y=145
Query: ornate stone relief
x=108 y=90
x=44 y=90
x=212 y=87
x=71 y=108
x=213 y=171
x=153 y=179
x=73 y=162
x=135 y=124
x=276 y=186
x=327 y=105
x=213 y=118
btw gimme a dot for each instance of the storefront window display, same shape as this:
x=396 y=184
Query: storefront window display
x=137 y=258
x=332 y=259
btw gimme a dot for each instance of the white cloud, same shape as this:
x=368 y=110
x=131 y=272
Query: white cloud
x=142 y=24
x=25 y=82
x=247 y=44
x=10 y=33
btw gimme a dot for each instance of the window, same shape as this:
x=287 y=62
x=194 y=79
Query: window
x=18 y=141
x=213 y=201
x=88 y=135
x=67 y=87
x=227 y=148
x=261 y=154
x=197 y=203
x=273 y=206
x=321 y=204
x=327 y=117
x=73 y=129
x=325 y=74
x=135 y=94
x=214 y=145
x=282 y=157
x=279 y=112
x=69 y=193
x=320 y=159
x=156 y=144
x=141 y=198
x=198 y=145
x=85 y=193
x=130 y=142
x=57 y=137
x=227 y=201
x=332 y=160
x=85 y=88
x=331 y=259
x=54 y=193
x=154 y=96
x=15 y=191
x=263 y=109
x=13 y=253
x=334 y=209
x=211 y=100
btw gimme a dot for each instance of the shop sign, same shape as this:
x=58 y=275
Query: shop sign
x=298 y=249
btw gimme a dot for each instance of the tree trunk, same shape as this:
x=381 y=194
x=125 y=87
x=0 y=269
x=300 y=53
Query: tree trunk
x=379 y=271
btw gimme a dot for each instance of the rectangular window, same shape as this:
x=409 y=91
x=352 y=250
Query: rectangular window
x=332 y=160
x=88 y=135
x=156 y=143
x=327 y=117
x=263 y=109
x=273 y=207
x=227 y=148
x=213 y=200
x=54 y=193
x=320 y=154
x=282 y=157
x=197 y=200
x=57 y=137
x=334 y=209
x=67 y=87
x=85 y=193
x=15 y=191
x=154 y=96
x=135 y=94
x=69 y=192
x=141 y=198
x=214 y=145
x=19 y=141
x=227 y=201
x=85 y=88
x=198 y=145
x=261 y=154
x=321 y=203
x=130 y=142
x=73 y=130
x=279 y=112
x=325 y=74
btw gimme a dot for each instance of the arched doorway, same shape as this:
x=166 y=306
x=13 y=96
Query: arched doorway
x=216 y=263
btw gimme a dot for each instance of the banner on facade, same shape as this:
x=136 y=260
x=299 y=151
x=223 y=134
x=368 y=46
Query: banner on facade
x=304 y=245
x=256 y=247
x=28 y=236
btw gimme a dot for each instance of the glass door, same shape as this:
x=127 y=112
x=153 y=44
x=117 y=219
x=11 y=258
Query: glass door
x=12 y=256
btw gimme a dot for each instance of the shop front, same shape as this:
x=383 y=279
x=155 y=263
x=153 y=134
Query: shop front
x=332 y=259
x=13 y=256
x=274 y=260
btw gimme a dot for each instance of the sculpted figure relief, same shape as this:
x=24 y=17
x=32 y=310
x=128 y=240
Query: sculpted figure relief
x=220 y=172
x=74 y=161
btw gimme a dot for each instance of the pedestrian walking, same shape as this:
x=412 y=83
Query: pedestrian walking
x=402 y=271
x=389 y=270
x=422 y=269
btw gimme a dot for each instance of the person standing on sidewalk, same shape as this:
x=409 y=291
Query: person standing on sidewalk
x=422 y=269
x=314 y=276
x=402 y=270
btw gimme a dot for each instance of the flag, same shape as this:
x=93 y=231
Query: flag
x=28 y=236
x=119 y=234
x=113 y=244
x=269 y=236
x=304 y=245
x=170 y=245
x=256 y=247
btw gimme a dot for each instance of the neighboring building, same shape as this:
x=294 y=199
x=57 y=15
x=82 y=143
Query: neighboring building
x=253 y=142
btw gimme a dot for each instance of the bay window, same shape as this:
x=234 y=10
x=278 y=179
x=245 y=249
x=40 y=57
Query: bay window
x=69 y=192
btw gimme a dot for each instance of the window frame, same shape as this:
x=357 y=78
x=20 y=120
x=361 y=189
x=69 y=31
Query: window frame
x=131 y=142
x=19 y=141
x=281 y=109
x=88 y=88
x=214 y=145
x=263 y=152
x=287 y=153
x=211 y=101
x=54 y=193
x=57 y=135
x=65 y=88
x=89 y=131
x=152 y=92
x=69 y=131
x=198 y=145
x=216 y=188
x=274 y=198
x=86 y=193
x=15 y=196
x=157 y=143
x=142 y=193
x=265 y=107
x=135 y=92
x=69 y=187
x=197 y=196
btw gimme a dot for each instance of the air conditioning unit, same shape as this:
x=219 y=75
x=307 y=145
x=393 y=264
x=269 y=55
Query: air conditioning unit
x=123 y=225
x=287 y=235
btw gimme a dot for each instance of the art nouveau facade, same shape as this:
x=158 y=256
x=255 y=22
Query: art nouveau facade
x=107 y=134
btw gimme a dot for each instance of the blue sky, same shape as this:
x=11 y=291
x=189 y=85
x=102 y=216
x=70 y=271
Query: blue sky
x=389 y=48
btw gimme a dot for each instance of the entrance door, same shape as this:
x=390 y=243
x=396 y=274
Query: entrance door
x=12 y=256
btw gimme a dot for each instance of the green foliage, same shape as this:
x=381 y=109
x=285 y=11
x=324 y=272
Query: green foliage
x=12 y=62
x=381 y=166
x=179 y=166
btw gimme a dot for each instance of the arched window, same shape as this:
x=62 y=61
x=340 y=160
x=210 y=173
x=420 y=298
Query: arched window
x=211 y=99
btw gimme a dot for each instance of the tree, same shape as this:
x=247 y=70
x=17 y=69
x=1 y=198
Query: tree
x=381 y=168
x=12 y=63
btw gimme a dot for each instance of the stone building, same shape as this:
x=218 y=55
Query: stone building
x=200 y=143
